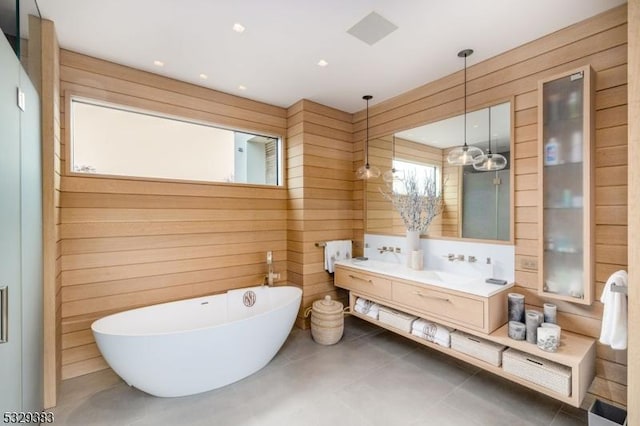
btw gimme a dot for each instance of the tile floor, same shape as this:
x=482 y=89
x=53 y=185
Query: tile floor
x=372 y=377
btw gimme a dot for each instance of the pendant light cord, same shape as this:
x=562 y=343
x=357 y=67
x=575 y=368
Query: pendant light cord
x=489 y=152
x=465 y=99
x=366 y=142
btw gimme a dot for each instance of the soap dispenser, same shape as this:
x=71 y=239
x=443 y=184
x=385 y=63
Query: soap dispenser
x=489 y=268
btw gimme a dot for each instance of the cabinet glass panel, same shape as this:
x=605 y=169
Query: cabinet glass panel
x=565 y=175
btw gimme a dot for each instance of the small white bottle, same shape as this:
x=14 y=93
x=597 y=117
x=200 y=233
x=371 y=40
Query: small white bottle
x=576 y=147
x=551 y=152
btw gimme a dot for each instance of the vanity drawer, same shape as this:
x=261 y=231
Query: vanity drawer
x=363 y=283
x=458 y=309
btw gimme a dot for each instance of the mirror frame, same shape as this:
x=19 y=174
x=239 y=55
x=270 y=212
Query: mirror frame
x=512 y=175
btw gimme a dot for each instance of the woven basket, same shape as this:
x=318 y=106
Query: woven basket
x=327 y=321
x=476 y=347
x=549 y=374
x=396 y=319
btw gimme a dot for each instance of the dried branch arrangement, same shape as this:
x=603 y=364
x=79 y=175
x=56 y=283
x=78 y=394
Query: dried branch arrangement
x=418 y=201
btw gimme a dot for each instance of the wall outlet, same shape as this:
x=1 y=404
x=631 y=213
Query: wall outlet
x=269 y=257
x=529 y=263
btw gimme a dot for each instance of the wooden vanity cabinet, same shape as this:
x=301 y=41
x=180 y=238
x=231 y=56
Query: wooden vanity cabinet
x=448 y=307
x=483 y=317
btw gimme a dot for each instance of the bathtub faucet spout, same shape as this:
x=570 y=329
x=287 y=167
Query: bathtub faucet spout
x=271 y=276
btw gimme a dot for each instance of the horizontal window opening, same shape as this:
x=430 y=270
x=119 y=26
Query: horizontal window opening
x=114 y=140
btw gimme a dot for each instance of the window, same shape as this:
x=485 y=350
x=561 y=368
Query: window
x=114 y=140
x=422 y=171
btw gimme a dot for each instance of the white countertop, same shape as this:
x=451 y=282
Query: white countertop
x=465 y=284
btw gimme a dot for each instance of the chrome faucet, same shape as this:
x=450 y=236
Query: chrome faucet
x=271 y=276
x=388 y=249
x=453 y=257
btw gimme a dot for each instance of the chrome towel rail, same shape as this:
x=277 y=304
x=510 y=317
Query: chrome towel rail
x=619 y=289
x=324 y=244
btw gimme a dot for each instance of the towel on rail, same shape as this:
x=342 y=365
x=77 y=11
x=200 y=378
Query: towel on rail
x=614 y=317
x=336 y=250
x=432 y=332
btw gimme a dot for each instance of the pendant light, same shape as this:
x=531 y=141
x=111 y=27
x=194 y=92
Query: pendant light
x=366 y=171
x=390 y=175
x=464 y=155
x=489 y=161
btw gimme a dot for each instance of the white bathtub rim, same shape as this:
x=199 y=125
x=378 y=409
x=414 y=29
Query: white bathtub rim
x=295 y=300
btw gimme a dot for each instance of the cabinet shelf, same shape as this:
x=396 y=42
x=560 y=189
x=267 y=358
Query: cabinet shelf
x=564 y=251
x=564 y=164
x=562 y=207
x=565 y=106
x=576 y=352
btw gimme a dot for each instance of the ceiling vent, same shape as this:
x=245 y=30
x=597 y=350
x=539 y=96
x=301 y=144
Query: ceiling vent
x=372 y=28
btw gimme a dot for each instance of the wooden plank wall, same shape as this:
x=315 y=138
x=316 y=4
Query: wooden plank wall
x=601 y=42
x=633 y=68
x=130 y=242
x=44 y=66
x=452 y=213
x=320 y=187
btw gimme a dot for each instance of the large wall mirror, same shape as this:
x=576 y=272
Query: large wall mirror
x=477 y=205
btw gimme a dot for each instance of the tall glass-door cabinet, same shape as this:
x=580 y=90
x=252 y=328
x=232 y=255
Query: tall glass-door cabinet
x=565 y=186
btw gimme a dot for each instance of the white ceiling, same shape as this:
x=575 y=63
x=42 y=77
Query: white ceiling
x=276 y=56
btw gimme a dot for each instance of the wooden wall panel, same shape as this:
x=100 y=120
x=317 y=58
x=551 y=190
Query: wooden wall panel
x=634 y=209
x=127 y=243
x=600 y=42
x=44 y=72
x=320 y=201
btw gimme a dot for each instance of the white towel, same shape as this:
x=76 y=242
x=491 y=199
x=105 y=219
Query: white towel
x=336 y=250
x=367 y=307
x=614 y=317
x=432 y=332
x=441 y=342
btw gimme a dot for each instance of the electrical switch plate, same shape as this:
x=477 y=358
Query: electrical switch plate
x=529 y=263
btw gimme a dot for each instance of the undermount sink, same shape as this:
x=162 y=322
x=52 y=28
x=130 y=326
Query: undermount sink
x=424 y=275
x=447 y=277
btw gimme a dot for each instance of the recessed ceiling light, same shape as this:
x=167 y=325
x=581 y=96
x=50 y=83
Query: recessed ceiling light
x=239 y=28
x=204 y=76
x=158 y=63
x=241 y=87
x=322 y=63
x=475 y=126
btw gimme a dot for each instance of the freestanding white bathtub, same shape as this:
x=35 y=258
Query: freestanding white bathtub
x=195 y=345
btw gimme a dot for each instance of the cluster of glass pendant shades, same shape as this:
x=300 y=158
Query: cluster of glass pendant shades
x=464 y=155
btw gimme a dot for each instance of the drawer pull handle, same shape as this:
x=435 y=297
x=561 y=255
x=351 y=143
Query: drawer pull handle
x=534 y=361
x=361 y=279
x=444 y=299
